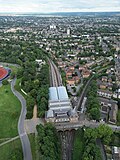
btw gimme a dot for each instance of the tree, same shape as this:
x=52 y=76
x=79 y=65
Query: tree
x=12 y=75
x=114 y=87
x=33 y=93
x=92 y=152
x=95 y=113
x=90 y=135
x=105 y=133
x=93 y=106
x=5 y=82
x=30 y=106
x=49 y=144
x=20 y=73
x=113 y=77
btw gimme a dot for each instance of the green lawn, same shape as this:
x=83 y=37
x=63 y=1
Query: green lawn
x=11 y=151
x=78 y=146
x=10 y=108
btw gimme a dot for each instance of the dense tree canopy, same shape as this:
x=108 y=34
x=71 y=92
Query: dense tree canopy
x=91 y=151
x=93 y=106
x=33 y=77
x=48 y=142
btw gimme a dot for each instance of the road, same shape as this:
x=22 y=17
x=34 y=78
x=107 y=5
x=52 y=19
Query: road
x=83 y=93
x=24 y=139
x=9 y=64
x=76 y=125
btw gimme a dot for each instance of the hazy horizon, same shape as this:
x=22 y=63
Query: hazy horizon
x=48 y=6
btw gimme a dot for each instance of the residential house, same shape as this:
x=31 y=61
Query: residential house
x=105 y=93
x=71 y=78
x=104 y=85
x=69 y=74
x=104 y=78
x=109 y=110
x=73 y=81
x=86 y=73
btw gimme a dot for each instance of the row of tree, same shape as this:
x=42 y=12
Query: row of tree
x=36 y=87
x=93 y=106
x=42 y=95
x=87 y=142
x=91 y=150
x=48 y=142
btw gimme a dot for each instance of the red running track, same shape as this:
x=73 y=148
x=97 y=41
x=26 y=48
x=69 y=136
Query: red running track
x=3 y=73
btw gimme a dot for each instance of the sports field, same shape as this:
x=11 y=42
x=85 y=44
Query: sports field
x=3 y=73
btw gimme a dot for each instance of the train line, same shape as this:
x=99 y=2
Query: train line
x=56 y=79
x=67 y=138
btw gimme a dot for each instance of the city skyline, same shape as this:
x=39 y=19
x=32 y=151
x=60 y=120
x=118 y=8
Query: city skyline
x=48 y=6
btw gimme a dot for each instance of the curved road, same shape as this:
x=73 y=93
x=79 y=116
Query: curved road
x=83 y=93
x=24 y=139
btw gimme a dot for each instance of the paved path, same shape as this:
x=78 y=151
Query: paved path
x=11 y=139
x=24 y=139
x=35 y=111
x=9 y=64
x=30 y=125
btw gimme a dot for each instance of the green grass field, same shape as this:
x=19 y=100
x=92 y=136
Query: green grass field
x=10 y=108
x=78 y=146
x=11 y=151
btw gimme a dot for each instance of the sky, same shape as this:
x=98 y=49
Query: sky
x=48 y=6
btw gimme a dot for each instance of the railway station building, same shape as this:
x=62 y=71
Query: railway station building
x=60 y=108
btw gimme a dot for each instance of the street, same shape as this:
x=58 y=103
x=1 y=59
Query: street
x=24 y=139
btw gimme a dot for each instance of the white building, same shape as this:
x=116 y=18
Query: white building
x=68 y=31
x=60 y=108
x=52 y=26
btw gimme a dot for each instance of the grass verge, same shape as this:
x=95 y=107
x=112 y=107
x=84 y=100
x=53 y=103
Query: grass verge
x=10 y=108
x=11 y=151
x=33 y=145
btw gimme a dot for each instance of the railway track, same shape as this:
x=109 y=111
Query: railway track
x=67 y=138
x=56 y=79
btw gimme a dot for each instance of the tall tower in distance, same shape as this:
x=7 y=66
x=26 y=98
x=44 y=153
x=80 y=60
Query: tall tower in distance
x=68 y=31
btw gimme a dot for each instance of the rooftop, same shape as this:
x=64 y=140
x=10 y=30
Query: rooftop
x=58 y=93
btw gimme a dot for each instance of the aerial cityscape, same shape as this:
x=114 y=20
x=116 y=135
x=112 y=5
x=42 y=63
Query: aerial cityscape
x=59 y=80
